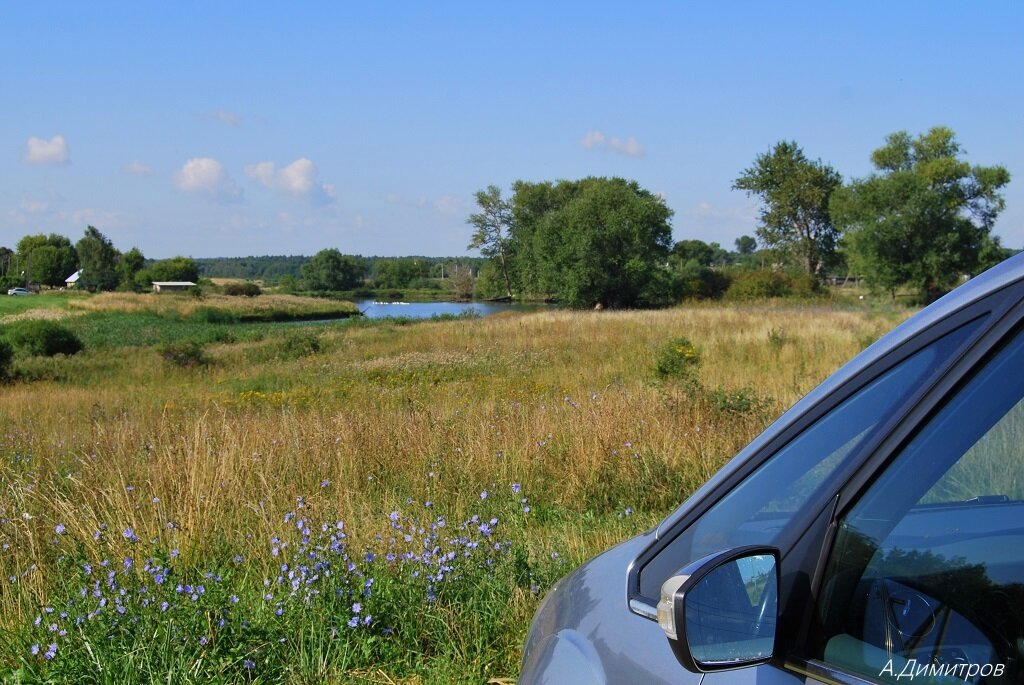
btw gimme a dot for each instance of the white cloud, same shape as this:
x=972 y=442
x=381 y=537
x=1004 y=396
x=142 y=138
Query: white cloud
x=598 y=140
x=300 y=179
x=137 y=168
x=592 y=139
x=206 y=176
x=449 y=205
x=225 y=117
x=52 y=151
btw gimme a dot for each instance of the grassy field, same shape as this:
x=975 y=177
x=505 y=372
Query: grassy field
x=359 y=502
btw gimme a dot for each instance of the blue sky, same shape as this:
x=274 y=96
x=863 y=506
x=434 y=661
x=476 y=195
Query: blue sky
x=230 y=129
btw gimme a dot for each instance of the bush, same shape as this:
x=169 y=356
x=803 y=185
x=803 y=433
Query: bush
x=763 y=284
x=43 y=338
x=247 y=289
x=212 y=315
x=678 y=358
x=702 y=284
x=299 y=344
x=6 y=355
x=185 y=354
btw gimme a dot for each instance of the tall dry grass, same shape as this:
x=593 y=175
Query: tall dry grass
x=564 y=404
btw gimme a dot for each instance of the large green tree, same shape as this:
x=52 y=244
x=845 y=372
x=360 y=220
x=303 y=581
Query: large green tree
x=596 y=241
x=924 y=218
x=399 y=273
x=48 y=260
x=491 y=230
x=795 y=193
x=331 y=270
x=180 y=269
x=98 y=260
x=128 y=269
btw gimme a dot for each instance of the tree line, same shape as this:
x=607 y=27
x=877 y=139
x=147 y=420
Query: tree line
x=51 y=259
x=922 y=220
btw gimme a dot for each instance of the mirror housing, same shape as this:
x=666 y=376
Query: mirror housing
x=721 y=612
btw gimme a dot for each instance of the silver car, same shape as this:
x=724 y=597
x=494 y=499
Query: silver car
x=873 y=533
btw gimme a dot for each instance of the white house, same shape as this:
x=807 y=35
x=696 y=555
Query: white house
x=72 y=280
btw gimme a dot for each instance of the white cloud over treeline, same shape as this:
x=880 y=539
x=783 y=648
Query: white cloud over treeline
x=41 y=151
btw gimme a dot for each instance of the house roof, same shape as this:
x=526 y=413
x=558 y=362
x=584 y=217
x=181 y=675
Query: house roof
x=73 y=278
x=173 y=283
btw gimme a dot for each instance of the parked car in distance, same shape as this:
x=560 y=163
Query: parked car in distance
x=873 y=534
x=19 y=291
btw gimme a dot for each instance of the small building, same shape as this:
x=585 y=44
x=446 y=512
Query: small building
x=172 y=286
x=72 y=280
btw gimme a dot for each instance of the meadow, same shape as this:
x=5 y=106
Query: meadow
x=378 y=502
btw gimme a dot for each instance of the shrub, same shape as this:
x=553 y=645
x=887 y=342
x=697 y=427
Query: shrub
x=212 y=315
x=6 y=355
x=703 y=284
x=758 y=285
x=44 y=338
x=184 y=354
x=738 y=401
x=763 y=284
x=247 y=289
x=299 y=344
x=678 y=358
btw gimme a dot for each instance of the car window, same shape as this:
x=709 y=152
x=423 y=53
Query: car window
x=926 y=576
x=758 y=509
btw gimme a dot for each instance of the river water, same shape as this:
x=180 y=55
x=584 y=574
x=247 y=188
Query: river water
x=376 y=309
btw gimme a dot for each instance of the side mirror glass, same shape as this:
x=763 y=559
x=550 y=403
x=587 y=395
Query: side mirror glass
x=721 y=611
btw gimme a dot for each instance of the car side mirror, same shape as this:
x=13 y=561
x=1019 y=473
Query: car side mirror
x=721 y=612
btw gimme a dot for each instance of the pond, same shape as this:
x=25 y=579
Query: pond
x=375 y=309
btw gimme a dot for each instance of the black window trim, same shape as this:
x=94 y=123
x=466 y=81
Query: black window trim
x=1007 y=320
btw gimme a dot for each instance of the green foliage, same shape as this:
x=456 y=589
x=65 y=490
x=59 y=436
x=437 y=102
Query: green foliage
x=98 y=259
x=594 y=241
x=738 y=401
x=184 y=354
x=698 y=251
x=399 y=273
x=43 y=338
x=213 y=315
x=695 y=282
x=924 y=218
x=764 y=284
x=331 y=270
x=298 y=344
x=173 y=269
x=489 y=283
x=746 y=245
x=795 y=193
x=6 y=357
x=677 y=359
x=247 y=289
x=47 y=260
x=128 y=268
x=492 y=226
